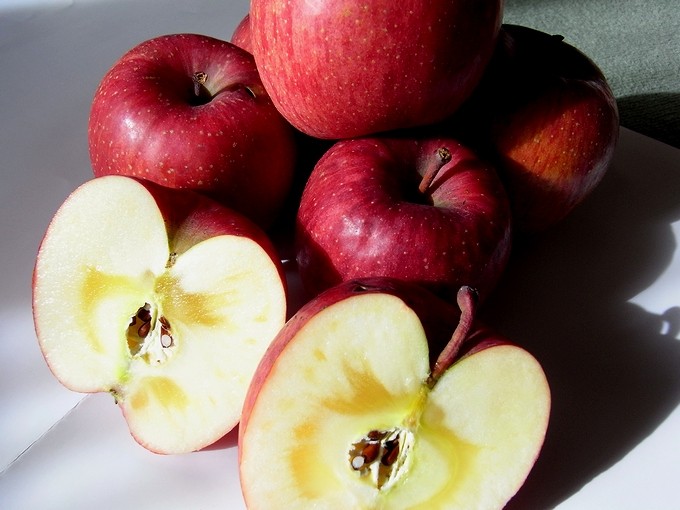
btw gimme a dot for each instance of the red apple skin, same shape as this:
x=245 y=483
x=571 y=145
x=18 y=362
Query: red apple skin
x=550 y=122
x=339 y=68
x=241 y=36
x=361 y=214
x=230 y=143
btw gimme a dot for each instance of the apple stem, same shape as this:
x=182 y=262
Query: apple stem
x=467 y=302
x=199 y=79
x=443 y=157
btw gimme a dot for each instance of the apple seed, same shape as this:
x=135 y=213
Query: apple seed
x=381 y=456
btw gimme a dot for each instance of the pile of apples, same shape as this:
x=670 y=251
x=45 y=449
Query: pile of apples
x=386 y=154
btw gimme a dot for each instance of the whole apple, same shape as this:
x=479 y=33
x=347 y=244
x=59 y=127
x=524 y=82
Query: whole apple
x=189 y=111
x=356 y=405
x=161 y=297
x=548 y=118
x=422 y=209
x=340 y=68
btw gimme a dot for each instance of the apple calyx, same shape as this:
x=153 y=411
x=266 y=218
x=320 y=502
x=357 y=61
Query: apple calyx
x=466 y=299
x=443 y=156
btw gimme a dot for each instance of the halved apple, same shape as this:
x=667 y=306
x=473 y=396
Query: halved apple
x=346 y=409
x=162 y=297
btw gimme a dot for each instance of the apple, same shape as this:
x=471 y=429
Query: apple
x=339 y=69
x=346 y=409
x=241 y=35
x=548 y=119
x=189 y=111
x=420 y=208
x=162 y=297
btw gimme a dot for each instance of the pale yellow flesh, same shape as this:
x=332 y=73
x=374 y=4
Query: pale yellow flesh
x=104 y=256
x=361 y=365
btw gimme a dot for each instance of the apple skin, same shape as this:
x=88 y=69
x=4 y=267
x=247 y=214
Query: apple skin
x=362 y=214
x=241 y=36
x=340 y=69
x=438 y=318
x=228 y=142
x=545 y=113
x=190 y=218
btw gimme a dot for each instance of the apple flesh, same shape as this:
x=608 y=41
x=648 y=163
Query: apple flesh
x=341 y=69
x=346 y=410
x=548 y=118
x=189 y=111
x=164 y=298
x=421 y=209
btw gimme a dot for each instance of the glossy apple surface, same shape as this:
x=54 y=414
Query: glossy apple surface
x=165 y=299
x=189 y=111
x=347 y=411
x=340 y=68
x=362 y=213
x=550 y=121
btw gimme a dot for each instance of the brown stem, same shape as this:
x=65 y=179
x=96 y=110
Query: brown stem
x=199 y=79
x=443 y=157
x=467 y=302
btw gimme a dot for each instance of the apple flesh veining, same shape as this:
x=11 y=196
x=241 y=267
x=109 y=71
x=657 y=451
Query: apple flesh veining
x=422 y=209
x=162 y=297
x=547 y=117
x=189 y=111
x=346 y=409
x=341 y=69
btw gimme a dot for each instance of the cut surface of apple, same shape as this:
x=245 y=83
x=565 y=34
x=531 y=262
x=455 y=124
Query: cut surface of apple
x=171 y=318
x=345 y=415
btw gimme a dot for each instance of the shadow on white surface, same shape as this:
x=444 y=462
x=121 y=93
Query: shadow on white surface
x=613 y=360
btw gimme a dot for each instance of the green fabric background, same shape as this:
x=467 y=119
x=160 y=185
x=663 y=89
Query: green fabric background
x=636 y=43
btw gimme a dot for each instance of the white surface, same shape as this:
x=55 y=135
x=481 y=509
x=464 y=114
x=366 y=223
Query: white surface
x=596 y=300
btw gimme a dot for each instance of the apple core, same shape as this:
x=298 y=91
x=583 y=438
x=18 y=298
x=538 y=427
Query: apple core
x=149 y=336
x=381 y=456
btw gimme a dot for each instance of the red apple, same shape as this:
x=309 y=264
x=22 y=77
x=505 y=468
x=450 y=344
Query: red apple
x=164 y=298
x=427 y=210
x=347 y=409
x=340 y=68
x=189 y=111
x=241 y=35
x=550 y=121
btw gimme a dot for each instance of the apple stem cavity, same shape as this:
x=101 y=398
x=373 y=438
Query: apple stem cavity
x=466 y=299
x=442 y=158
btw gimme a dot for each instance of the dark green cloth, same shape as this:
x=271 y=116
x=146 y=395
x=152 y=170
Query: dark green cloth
x=636 y=43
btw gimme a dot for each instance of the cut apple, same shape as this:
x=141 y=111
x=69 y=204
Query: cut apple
x=161 y=297
x=344 y=410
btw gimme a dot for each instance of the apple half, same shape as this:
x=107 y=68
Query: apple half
x=162 y=297
x=347 y=410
